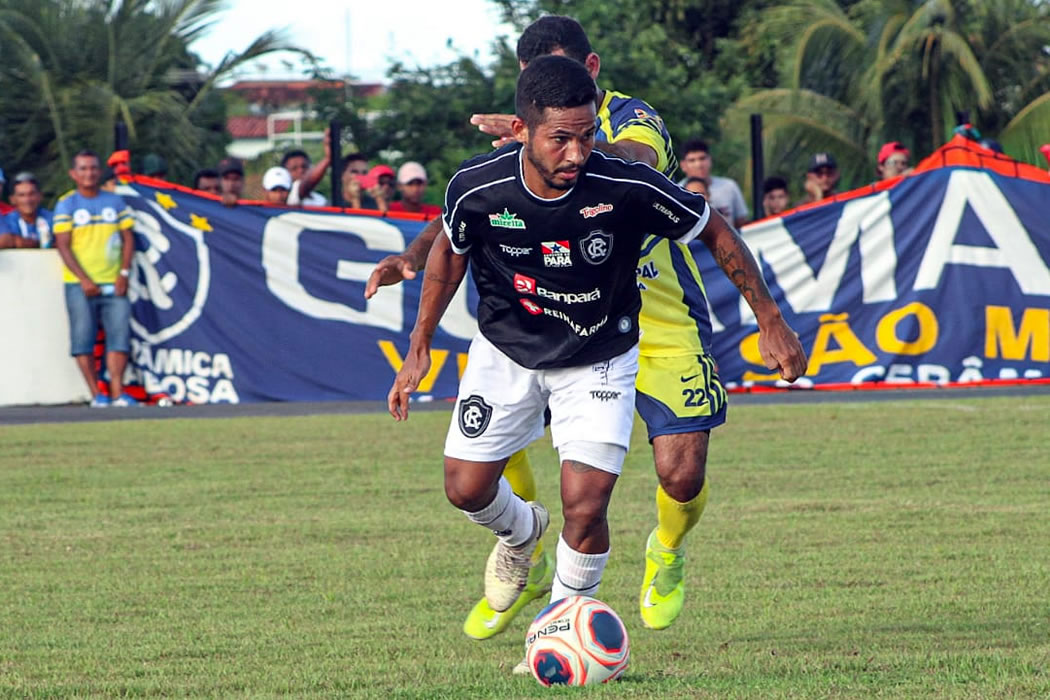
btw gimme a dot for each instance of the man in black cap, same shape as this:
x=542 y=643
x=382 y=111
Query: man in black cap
x=231 y=170
x=821 y=177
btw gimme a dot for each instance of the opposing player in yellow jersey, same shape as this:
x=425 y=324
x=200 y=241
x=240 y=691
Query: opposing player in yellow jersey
x=679 y=394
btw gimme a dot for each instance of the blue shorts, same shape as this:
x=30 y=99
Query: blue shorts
x=679 y=394
x=84 y=315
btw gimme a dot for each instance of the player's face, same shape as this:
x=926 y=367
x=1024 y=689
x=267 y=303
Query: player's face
x=558 y=146
x=775 y=201
x=696 y=164
x=86 y=172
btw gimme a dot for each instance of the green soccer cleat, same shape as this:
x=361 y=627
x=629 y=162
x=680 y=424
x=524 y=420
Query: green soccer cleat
x=483 y=622
x=663 y=588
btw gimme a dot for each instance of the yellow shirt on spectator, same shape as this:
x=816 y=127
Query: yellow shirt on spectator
x=95 y=224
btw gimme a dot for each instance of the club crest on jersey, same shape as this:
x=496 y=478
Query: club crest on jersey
x=596 y=247
x=474 y=416
x=506 y=220
x=556 y=253
x=591 y=212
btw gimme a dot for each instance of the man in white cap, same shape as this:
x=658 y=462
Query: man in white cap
x=412 y=183
x=277 y=182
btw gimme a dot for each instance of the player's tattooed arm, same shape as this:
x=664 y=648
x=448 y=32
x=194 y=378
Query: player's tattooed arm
x=777 y=342
x=739 y=265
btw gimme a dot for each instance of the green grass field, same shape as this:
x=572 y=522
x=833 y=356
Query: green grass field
x=849 y=550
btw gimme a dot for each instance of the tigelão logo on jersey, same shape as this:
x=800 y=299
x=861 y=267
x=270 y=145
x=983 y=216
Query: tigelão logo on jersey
x=591 y=212
x=506 y=220
x=556 y=253
x=532 y=307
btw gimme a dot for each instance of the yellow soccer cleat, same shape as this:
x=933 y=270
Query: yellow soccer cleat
x=663 y=588
x=483 y=622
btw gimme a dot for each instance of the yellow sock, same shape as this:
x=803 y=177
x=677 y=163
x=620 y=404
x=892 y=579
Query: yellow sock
x=674 y=519
x=519 y=475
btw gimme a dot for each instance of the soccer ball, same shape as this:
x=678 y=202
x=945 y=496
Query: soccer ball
x=576 y=641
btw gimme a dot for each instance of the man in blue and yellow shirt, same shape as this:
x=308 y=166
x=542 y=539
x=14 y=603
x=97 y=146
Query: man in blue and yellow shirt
x=93 y=235
x=679 y=395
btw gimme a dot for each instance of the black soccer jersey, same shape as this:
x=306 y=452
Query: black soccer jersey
x=556 y=277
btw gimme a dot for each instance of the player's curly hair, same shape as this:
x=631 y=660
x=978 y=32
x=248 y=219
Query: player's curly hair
x=552 y=81
x=550 y=33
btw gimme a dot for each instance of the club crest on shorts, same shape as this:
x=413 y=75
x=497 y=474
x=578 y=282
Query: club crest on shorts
x=596 y=246
x=474 y=416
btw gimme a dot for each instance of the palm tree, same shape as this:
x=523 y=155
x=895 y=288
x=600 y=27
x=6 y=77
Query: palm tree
x=69 y=69
x=900 y=70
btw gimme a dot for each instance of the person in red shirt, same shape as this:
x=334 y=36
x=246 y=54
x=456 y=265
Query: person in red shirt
x=412 y=183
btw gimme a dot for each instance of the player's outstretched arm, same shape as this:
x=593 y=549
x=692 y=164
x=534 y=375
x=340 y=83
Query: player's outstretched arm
x=777 y=342
x=445 y=272
x=396 y=268
x=497 y=125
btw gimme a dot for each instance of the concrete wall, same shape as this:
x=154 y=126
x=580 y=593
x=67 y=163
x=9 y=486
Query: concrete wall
x=35 y=365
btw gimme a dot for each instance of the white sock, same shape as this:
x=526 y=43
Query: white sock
x=577 y=573
x=509 y=517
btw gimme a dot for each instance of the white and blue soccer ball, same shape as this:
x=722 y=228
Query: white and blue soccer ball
x=577 y=641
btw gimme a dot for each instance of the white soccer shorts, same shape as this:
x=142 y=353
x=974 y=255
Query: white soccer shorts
x=500 y=405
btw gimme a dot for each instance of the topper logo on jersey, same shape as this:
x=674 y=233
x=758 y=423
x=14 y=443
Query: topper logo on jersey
x=506 y=220
x=591 y=212
x=666 y=212
x=474 y=416
x=556 y=253
x=596 y=247
x=527 y=285
x=514 y=251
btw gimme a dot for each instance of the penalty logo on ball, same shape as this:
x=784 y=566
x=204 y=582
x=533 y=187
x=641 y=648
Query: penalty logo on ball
x=577 y=641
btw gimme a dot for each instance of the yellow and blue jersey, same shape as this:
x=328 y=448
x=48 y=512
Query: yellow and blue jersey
x=94 y=224
x=625 y=118
x=674 y=318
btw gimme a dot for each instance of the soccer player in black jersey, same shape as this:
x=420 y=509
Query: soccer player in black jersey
x=558 y=310
x=672 y=347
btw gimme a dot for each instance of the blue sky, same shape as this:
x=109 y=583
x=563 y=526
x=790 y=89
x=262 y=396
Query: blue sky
x=357 y=36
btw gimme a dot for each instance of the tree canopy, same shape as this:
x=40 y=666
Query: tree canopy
x=71 y=68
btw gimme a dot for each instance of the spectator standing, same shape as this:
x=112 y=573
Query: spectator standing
x=208 y=180
x=93 y=236
x=29 y=224
x=412 y=184
x=277 y=182
x=774 y=196
x=231 y=170
x=725 y=196
x=383 y=189
x=355 y=182
x=822 y=177
x=305 y=177
x=4 y=206
x=894 y=160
